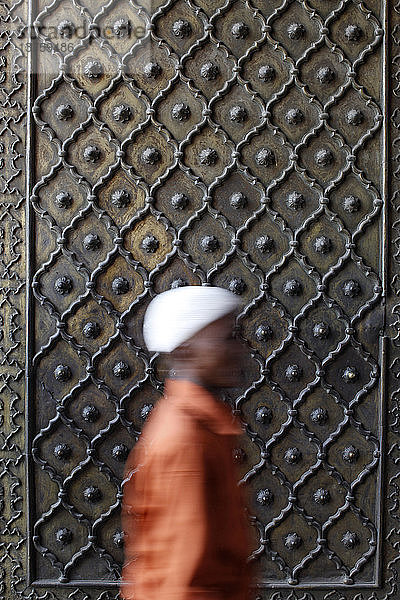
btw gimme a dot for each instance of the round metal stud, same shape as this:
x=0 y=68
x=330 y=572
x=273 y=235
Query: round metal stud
x=293 y=372
x=353 y=33
x=209 y=243
x=351 y=204
x=240 y=30
x=122 y=28
x=264 y=244
x=150 y=244
x=91 y=241
x=321 y=496
x=350 y=375
x=292 y=541
x=238 y=200
x=66 y=29
x=265 y=497
x=90 y=413
x=263 y=415
x=350 y=540
x=322 y=244
x=151 y=156
x=120 y=286
x=122 y=113
x=118 y=538
x=120 y=198
x=237 y=286
x=321 y=330
x=62 y=451
x=64 y=112
x=152 y=70
x=91 y=330
x=265 y=157
x=238 y=455
x=177 y=283
x=296 y=31
x=181 y=28
x=354 y=117
x=266 y=73
x=92 y=494
x=351 y=288
x=292 y=287
x=63 y=285
x=179 y=201
x=294 y=116
x=238 y=114
x=93 y=69
x=145 y=411
x=292 y=456
x=63 y=200
x=264 y=332
x=120 y=452
x=323 y=157
x=91 y=154
x=64 y=536
x=208 y=156
x=319 y=416
x=62 y=373
x=295 y=201
x=180 y=112
x=350 y=454
x=325 y=75
x=121 y=370
x=209 y=71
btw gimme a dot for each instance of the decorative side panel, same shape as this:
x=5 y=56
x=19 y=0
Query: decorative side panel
x=13 y=101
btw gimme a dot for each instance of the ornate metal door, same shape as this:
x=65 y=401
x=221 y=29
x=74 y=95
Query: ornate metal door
x=243 y=143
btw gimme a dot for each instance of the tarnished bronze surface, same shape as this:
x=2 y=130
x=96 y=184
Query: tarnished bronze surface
x=247 y=144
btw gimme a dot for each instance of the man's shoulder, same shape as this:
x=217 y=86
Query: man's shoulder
x=169 y=426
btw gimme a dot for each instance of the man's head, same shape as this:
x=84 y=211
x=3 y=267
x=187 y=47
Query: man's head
x=195 y=325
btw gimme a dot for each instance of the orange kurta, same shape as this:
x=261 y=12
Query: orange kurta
x=185 y=530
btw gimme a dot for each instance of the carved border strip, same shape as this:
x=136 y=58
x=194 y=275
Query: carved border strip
x=13 y=95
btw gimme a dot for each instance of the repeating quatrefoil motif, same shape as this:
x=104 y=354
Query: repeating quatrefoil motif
x=227 y=143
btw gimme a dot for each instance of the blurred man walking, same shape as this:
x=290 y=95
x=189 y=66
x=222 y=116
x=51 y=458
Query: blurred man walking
x=183 y=517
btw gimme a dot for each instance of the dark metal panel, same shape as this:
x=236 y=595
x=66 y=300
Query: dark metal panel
x=269 y=122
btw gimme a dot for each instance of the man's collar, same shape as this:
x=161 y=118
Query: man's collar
x=203 y=405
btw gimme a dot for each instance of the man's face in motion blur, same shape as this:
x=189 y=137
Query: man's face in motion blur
x=212 y=356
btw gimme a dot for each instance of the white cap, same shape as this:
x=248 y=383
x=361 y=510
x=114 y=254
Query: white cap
x=176 y=315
